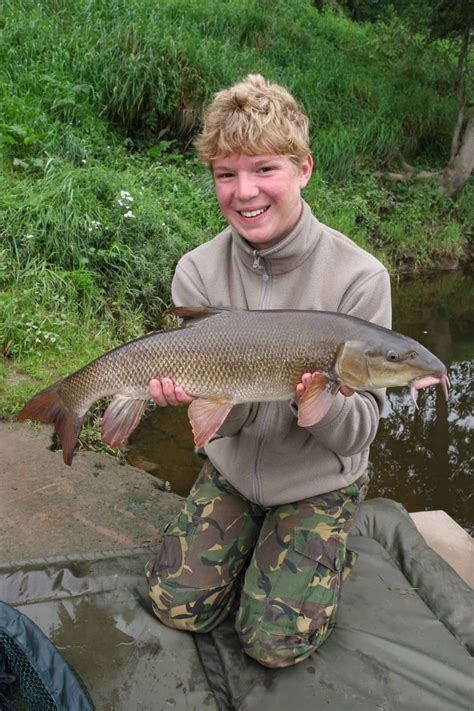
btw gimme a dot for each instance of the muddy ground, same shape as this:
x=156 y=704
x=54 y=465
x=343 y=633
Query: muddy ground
x=97 y=504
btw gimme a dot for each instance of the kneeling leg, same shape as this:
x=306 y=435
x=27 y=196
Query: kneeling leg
x=291 y=587
x=192 y=579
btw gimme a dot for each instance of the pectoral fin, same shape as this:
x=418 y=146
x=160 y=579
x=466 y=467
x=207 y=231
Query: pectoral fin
x=206 y=416
x=120 y=419
x=316 y=400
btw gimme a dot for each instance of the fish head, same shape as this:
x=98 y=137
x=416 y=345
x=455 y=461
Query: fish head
x=391 y=360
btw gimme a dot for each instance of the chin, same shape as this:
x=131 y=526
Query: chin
x=261 y=244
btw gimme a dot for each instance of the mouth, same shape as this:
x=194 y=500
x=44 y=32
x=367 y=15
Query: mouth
x=422 y=383
x=253 y=214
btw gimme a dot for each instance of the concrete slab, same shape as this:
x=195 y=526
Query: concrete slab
x=449 y=540
x=50 y=509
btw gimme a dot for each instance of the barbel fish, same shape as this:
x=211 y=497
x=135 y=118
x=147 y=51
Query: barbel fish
x=226 y=356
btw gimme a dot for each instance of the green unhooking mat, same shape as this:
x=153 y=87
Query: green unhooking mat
x=403 y=639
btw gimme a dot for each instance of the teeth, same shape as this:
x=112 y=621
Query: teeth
x=252 y=213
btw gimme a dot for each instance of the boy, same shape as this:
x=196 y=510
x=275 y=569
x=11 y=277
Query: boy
x=267 y=520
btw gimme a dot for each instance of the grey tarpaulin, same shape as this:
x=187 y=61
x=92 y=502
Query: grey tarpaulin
x=401 y=642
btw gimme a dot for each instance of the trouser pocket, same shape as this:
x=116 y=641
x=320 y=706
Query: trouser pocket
x=304 y=597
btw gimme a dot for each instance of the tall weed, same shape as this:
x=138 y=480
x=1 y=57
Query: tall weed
x=149 y=66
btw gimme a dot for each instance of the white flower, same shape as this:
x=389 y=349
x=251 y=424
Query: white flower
x=129 y=213
x=125 y=199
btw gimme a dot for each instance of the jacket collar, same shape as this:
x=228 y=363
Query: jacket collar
x=287 y=254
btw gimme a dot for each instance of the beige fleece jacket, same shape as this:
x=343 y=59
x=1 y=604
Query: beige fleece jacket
x=260 y=448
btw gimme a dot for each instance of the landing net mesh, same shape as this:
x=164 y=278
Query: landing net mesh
x=28 y=691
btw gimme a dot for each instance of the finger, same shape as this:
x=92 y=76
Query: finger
x=347 y=391
x=156 y=392
x=182 y=397
x=169 y=391
x=303 y=384
x=307 y=378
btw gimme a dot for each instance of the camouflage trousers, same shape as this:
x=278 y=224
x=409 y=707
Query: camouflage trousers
x=284 y=566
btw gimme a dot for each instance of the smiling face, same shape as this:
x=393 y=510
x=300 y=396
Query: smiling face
x=260 y=195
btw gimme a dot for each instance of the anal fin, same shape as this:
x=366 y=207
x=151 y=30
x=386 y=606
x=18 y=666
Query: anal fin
x=120 y=419
x=206 y=416
x=316 y=400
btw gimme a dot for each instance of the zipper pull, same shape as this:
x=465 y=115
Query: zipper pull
x=258 y=263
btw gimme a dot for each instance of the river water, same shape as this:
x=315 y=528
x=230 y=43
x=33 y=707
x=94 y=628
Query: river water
x=423 y=459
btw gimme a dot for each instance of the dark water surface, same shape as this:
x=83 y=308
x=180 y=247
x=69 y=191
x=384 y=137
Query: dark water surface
x=422 y=459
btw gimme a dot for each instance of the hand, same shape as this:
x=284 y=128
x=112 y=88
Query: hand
x=165 y=393
x=305 y=382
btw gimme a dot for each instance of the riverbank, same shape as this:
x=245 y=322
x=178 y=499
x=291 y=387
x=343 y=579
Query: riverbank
x=101 y=192
x=97 y=504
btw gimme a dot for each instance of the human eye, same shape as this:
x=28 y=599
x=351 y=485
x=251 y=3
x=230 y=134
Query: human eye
x=266 y=169
x=223 y=175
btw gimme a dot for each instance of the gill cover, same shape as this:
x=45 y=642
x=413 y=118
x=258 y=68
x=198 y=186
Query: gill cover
x=351 y=365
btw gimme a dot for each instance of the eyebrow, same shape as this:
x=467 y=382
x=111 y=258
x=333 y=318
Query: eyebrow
x=260 y=161
x=270 y=159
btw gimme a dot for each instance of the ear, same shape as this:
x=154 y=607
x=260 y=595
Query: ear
x=306 y=169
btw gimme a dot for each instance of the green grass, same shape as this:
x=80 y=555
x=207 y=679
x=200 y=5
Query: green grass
x=146 y=67
x=101 y=193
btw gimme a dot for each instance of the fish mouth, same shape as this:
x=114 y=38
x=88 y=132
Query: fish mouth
x=421 y=383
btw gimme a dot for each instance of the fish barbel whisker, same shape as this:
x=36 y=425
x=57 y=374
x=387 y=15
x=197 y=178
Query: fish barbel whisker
x=445 y=384
x=425 y=382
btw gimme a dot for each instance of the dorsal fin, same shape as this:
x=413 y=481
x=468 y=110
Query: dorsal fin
x=193 y=314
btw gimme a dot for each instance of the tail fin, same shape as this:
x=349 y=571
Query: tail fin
x=48 y=407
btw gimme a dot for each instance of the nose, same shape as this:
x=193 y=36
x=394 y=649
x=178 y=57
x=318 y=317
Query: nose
x=246 y=187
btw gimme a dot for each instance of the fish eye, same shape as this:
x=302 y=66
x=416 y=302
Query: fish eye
x=391 y=355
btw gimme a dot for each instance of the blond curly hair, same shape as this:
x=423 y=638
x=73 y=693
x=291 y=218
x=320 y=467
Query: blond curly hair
x=254 y=117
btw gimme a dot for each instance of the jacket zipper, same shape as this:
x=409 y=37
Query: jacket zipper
x=257 y=493
x=259 y=263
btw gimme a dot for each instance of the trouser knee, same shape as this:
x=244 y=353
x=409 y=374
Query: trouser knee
x=280 y=650
x=192 y=610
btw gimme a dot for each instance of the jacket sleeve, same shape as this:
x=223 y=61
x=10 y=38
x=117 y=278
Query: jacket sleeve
x=351 y=422
x=187 y=289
